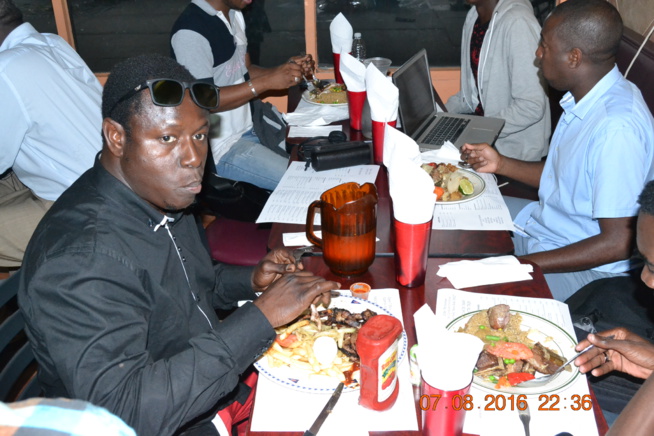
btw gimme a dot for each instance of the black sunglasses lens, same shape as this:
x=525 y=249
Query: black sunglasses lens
x=167 y=92
x=205 y=94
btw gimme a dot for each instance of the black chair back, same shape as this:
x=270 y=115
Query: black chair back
x=18 y=366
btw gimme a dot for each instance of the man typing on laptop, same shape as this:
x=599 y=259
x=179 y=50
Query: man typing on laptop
x=601 y=154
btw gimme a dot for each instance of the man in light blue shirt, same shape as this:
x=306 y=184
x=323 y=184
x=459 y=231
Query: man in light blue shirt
x=601 y=155
x=49 y=126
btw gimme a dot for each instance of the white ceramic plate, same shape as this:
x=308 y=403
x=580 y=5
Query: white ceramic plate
x=305 y=97
x=303 y=381
x=549 y=335
x=478 y=183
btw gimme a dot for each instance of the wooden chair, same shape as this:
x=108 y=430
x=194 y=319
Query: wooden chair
x=17 y=363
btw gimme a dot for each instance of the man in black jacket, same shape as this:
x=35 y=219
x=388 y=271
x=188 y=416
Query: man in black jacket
x=118 y=290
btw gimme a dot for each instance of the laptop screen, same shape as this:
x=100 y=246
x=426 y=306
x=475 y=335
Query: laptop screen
x=416 y=100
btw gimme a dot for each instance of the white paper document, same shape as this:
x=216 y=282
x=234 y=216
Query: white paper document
x=547 y=418
x=486 y=212
x=300 y=186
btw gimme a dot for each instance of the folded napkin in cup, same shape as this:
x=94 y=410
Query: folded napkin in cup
x=411 y=188
x=448 y=153
x=439 y=372
x=353 y=72
x=341 y=34
x=383 y=96
x=488 y=271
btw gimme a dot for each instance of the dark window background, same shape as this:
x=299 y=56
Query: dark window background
x=39 y=14
x=107 y=31
x=397 y=29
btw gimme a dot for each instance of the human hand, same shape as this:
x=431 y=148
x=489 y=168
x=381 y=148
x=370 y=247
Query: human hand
x=626 y=352
x=306 y=63
x=283 y=76
x=290 y=295
x=482 y=157
x=274 y=264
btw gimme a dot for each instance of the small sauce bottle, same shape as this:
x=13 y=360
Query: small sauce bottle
x=377 y=346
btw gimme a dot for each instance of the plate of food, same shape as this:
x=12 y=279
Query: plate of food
x=452 y=184
x=309 y=359
x=335 y=94
x=518 y=346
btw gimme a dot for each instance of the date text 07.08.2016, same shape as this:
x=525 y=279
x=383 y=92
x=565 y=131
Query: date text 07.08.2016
x=551 y=402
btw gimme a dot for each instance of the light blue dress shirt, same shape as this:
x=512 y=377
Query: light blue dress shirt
x=601 y=155
x=50 y=119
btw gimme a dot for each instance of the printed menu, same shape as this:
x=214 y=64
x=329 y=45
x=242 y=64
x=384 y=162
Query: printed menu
x=301 y=185
x=486 y=212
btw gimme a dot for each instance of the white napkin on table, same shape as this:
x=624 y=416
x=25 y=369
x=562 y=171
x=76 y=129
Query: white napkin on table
x=307 y=114
x=448 y=153
x=341 y=34
x=353 y=72
x=488 y=271
x=411 y=188
x=383 y=96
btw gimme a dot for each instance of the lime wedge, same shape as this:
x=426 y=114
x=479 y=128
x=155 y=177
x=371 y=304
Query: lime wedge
x=466 y=187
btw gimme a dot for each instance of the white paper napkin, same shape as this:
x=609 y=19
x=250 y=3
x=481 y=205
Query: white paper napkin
x=411 y=188
x=488 y=271
x=448 y=153
x=341 y=34
x=353 y=72
x=439 y=372
x=307 y=114
x=383 y=96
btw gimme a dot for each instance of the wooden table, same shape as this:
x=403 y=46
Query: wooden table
x=382 y=275
x=443 y=243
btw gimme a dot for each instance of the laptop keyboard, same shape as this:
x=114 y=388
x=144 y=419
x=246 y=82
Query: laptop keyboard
x=445 y=129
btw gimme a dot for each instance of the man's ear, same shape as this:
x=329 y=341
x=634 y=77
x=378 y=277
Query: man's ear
x=574 y=57
x=115 y=136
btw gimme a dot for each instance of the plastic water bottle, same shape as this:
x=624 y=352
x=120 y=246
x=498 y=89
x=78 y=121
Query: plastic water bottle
x=359 y=47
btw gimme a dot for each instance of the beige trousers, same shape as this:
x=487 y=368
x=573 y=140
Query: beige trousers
x=20 y=212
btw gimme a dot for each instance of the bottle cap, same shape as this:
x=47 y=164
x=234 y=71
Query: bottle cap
x=357 y=35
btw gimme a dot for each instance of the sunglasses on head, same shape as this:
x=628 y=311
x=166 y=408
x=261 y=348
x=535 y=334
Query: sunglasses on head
x=170 y=92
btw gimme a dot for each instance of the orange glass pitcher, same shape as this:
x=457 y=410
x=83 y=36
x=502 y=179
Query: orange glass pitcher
x=348 y=218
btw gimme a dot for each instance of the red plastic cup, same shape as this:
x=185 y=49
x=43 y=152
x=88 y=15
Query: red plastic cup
x=337 y=67
x=411 y=251
x=378 y=128
x=355 y=101
x=445 y=417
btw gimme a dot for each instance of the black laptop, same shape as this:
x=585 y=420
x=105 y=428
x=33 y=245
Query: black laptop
x=420 y=118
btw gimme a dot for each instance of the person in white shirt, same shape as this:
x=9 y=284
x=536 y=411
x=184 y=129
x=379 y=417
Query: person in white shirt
x=50 y=125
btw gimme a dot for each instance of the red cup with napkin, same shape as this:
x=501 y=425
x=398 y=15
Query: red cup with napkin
x=341 y=35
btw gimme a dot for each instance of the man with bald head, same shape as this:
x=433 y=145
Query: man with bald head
x=118 y=290
x=601 y=155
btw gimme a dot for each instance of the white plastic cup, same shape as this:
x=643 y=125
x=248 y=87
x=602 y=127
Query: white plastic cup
x=382 y=64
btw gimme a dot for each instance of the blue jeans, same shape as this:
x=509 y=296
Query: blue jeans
x=562 y=285
x=250 y=161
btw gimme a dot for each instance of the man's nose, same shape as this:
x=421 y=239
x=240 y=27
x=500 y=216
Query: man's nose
x=193 y=154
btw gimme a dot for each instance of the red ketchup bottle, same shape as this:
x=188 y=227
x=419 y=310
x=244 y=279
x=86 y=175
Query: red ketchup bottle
x=377 y=346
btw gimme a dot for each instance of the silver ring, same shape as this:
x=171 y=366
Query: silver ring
x=296 y=79
x=606 y=357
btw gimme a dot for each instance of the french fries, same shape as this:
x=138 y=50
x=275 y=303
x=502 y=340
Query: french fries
x=299 y=354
